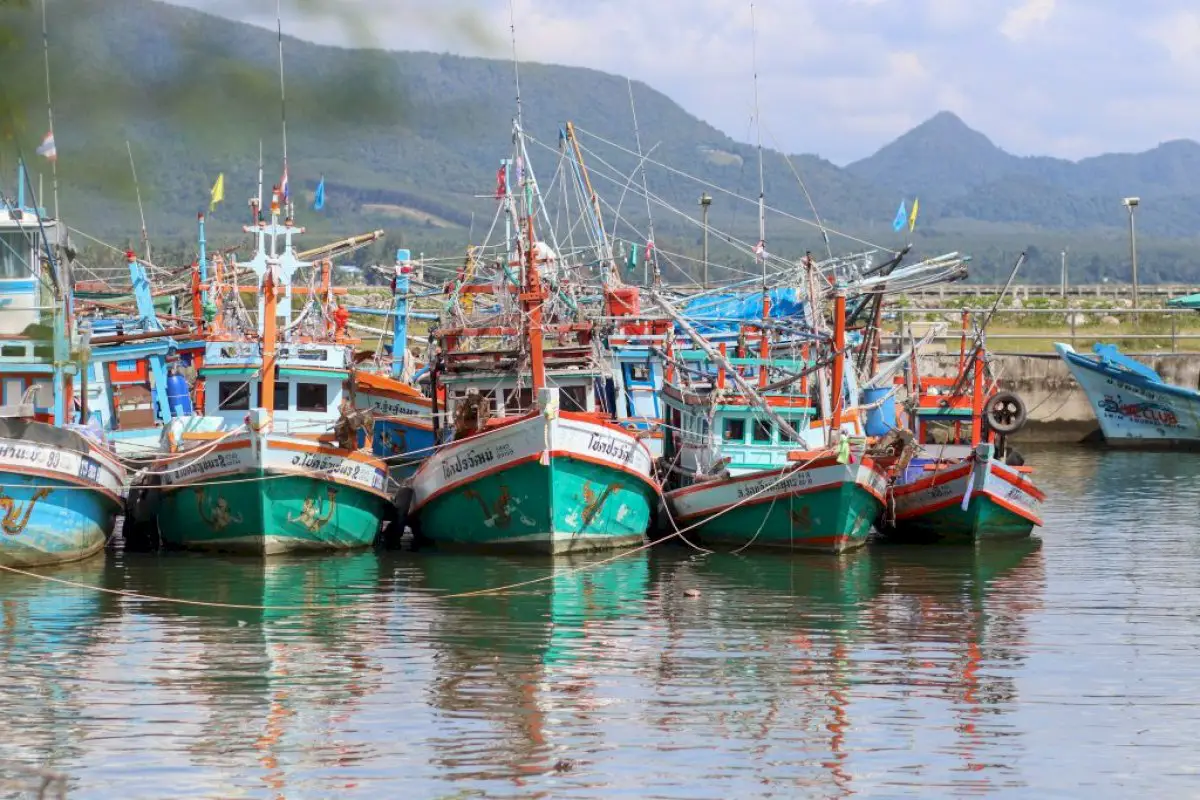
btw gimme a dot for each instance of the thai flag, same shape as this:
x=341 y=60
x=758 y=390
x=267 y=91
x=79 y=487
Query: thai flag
x=284 y=190
x=47 y=147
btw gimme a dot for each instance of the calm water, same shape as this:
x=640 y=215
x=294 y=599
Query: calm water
x=1052 y=670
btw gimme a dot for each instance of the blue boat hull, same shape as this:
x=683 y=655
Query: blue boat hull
x=402 y=443
x=45 y=521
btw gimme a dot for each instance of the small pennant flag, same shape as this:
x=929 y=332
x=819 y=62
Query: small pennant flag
x=218 y=192
x=912 y=218
x=649 y=249
x=285 y=191
x=760 y=249
x=520 y=171
x=319 y=195
x=47 y=148
x=901 y=218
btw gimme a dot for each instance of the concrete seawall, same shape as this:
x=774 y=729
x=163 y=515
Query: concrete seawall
x=1058 y=409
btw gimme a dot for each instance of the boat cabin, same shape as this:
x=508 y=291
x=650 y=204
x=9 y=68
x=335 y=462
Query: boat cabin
x=505 y=394
x=309 y=384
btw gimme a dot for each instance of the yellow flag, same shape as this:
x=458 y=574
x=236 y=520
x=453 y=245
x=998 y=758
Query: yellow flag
x=218 y=191
x=912 y=216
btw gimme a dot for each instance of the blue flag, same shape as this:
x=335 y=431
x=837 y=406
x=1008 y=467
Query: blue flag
x=319 y=195
x=901 y=218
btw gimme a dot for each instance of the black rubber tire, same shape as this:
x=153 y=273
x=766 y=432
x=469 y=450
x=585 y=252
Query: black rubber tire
x=1005 y=412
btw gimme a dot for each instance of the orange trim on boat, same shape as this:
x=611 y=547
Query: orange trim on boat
x=1020 y=483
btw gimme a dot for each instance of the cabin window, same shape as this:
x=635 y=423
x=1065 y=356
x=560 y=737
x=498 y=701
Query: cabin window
x=280 y=400
x=14 y=257
x=233 y=396
x=762 y=431
x=518 y=401
x=735 y=430
x=573 y=398
x=312 y=397
x=787 y=438
x=639 y=373
x=12 y=350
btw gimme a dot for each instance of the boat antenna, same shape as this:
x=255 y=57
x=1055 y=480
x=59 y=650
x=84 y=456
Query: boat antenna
x=282 y=96
x=141 y=212
x=512 y=27
x=49 y=107
x=761 y=249
x=260 y=181
x=651 y=252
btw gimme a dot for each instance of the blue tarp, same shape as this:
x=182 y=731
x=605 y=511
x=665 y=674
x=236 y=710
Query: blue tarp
x=722 y=312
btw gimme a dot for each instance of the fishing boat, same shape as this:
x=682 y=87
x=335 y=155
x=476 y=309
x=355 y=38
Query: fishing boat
x=757 y=466
x=402 y=417
x=273 y=463
x=965 y=484
x=60 y=484
x=1134 y=405
x=533 y=461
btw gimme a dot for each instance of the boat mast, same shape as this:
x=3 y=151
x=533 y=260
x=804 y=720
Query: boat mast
x=532 y=305
x=839 y=358
x=283 y=105
x=266 y=398
x=761 y=250
x=651 y=252
x=50 y=110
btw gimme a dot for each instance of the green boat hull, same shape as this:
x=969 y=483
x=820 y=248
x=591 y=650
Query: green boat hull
x=265 y=513
x=836 y=519
x=983 y=520
x=566 y=506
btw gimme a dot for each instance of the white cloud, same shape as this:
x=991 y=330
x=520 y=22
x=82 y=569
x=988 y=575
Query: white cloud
x=1026 y=18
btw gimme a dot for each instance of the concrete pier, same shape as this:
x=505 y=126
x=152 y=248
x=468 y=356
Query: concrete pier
x=1058 y=410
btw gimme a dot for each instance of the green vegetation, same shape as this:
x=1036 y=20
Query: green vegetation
x=409 y=142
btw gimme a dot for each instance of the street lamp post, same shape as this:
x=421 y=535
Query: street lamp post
x=705 y=202
x=1132 y=203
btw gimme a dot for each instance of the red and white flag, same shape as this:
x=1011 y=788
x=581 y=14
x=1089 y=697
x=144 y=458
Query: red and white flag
x=47 y=148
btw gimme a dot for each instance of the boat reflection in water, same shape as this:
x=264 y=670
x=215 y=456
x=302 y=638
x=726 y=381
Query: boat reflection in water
x=951 y=625
x=822 y=663
x=259 y=695
x=43 y=622
x=516 y=673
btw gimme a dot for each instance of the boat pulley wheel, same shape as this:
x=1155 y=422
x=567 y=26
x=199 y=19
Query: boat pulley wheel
x=1005 y=412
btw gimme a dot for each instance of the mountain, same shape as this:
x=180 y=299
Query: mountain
x=410 y=142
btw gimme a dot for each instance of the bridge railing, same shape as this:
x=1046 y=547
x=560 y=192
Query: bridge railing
x=1156 y=328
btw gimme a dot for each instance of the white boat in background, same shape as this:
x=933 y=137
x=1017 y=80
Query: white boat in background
x=1134 y=405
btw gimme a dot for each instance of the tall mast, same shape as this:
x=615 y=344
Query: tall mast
x=50 y=109
x=512 y=26
x=282 y=101
x=533 y=309
x=138 y=193
x=761 y=250
x=651 y=253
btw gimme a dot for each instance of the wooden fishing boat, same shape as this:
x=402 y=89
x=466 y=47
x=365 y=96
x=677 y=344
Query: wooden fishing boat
x=534 y=462
x=757 y=466
x=1134 y=405
x=60 y=485
x=965 y=485
x=273 y=465
x=402 y=417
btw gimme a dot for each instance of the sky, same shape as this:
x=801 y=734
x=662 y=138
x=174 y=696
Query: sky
x=839 y=78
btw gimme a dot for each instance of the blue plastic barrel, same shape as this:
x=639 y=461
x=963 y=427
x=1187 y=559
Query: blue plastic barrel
x=179 y=396
x=882 y=419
